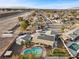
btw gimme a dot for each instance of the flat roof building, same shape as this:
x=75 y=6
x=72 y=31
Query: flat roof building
x=44 y=38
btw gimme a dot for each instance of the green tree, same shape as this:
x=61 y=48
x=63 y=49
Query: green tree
x=27 y=43
x=62 y=29
x=20 y=18
x=22 y=43
x=24 y=57
x=23 y=25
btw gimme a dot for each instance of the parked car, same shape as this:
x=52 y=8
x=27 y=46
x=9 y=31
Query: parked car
x=20 y=34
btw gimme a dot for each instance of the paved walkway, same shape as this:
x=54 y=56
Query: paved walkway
x=56 y=58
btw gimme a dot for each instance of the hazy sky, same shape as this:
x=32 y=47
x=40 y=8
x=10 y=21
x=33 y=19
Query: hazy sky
x=40 y=3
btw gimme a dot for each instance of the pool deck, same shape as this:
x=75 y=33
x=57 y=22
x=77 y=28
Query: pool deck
x=56 y=57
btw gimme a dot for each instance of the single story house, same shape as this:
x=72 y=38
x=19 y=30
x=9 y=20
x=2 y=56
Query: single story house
x=23 y=38
x=72 y=35
x=45 y=39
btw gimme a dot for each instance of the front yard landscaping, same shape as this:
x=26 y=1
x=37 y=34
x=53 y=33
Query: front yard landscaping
x=58 y=52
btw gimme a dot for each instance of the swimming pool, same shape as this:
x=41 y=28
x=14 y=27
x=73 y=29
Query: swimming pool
x=27 y=51
x=74 y=47
x=35 y=51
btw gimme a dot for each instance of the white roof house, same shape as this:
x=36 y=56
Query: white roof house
x=23 y=38
x=73 y=34
x=56 y=15
x=77 y=16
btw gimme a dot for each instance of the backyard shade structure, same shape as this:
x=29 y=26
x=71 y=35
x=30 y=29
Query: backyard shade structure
x=8 y=53
x=74 y=47
x=23 y=38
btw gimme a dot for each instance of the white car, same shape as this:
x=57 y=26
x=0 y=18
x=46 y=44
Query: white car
x=7 y=34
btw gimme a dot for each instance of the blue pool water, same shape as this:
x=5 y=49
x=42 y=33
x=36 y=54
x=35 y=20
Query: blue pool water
x=74 y=47
x=28 y=51
x=36 y=51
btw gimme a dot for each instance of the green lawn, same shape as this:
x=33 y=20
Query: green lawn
x=58 y=52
